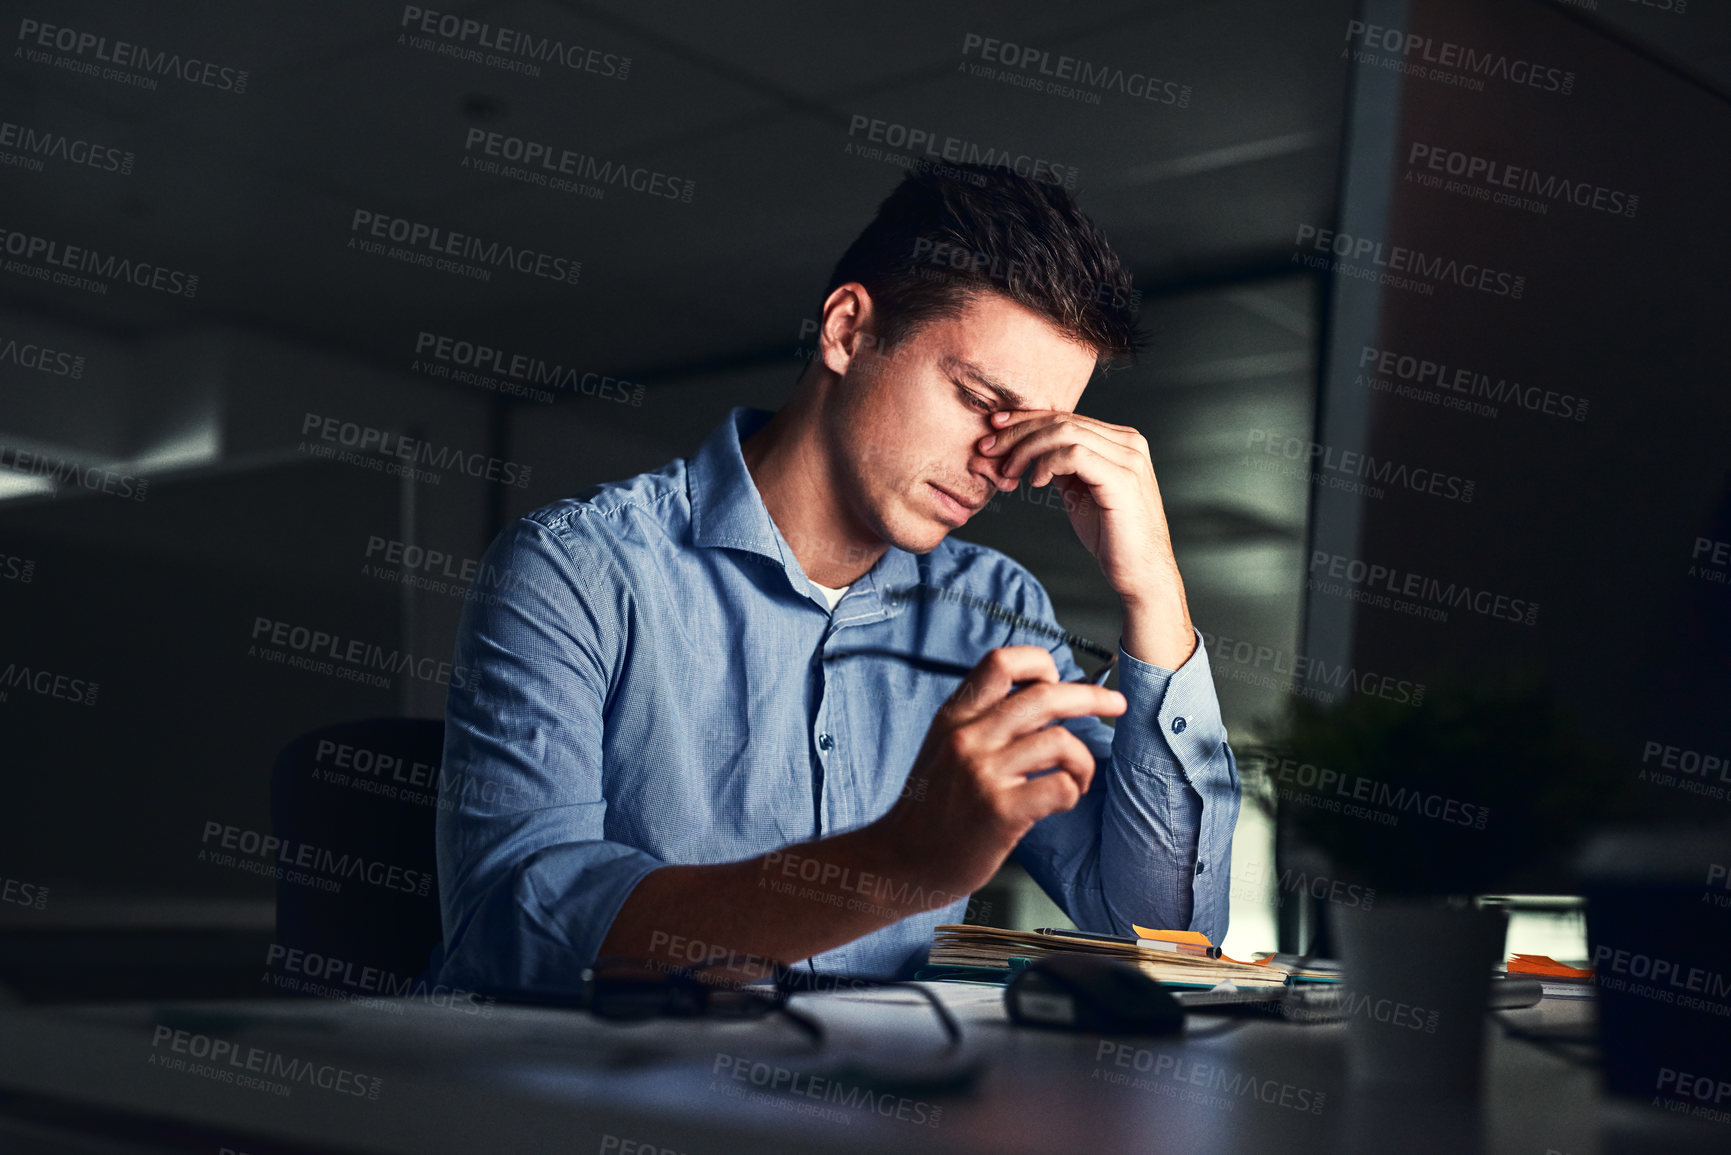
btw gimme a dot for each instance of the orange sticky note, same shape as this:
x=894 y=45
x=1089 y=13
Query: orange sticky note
x=1192 y=937
x=1542 y=964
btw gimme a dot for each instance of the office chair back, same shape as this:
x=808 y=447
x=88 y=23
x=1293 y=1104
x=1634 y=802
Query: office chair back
x=355 y=803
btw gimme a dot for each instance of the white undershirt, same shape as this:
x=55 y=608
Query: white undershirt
x=831 y=594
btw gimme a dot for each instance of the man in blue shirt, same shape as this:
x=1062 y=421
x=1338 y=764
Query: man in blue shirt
x=705 y=730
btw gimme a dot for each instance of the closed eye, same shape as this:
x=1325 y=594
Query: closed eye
x=975 y=400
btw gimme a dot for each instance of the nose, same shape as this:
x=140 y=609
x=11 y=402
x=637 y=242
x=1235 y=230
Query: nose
x=987 y=468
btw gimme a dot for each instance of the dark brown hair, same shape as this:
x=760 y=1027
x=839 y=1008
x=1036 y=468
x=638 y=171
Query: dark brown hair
x=939 y=240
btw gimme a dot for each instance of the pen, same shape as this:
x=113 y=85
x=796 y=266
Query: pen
x=1099 y=679
x=1095 y=679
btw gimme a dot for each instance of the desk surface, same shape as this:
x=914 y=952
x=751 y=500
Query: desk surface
x=406 y=1076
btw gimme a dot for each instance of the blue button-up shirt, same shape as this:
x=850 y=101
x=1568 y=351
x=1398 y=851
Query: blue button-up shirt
x=652 y=688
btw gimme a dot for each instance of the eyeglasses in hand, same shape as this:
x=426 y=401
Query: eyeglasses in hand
x=991 y=609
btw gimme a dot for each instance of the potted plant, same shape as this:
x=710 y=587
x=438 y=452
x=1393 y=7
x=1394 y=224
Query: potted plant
x=1478 y=790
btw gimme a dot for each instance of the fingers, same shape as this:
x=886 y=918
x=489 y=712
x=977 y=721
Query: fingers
x=1076 y=461
x=1038 y=706
x=1030 y=422
x=1049 y=444
x=1005 y=737
x=1043 y=797
x=1051 y=749
x=988 y=683
x=1012 y=425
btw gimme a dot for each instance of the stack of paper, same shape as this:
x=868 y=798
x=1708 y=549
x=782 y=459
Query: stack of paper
x=987 y=946
x=1316 y=970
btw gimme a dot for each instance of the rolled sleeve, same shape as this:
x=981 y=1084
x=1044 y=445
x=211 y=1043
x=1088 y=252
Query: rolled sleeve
x=1150 y=844
x=529 y=883
x=1172 y=732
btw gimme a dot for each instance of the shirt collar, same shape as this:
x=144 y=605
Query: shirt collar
x=727 y=510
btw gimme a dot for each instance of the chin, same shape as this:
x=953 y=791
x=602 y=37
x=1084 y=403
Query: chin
x=932 y=540
x=911 y=528
x=919 y=535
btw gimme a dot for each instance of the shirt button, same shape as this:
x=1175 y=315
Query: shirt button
x=824 y=742
x=1178 y=725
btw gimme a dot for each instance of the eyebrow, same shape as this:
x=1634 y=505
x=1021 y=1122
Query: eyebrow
x=980 y=377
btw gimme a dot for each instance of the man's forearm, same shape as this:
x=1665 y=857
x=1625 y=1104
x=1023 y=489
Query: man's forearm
x=783 y=906
x=1157 y=627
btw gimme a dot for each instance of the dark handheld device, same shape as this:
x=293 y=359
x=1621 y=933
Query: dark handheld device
x=1082 y=992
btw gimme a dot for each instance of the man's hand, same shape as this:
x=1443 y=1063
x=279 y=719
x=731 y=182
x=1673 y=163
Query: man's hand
x=971 y=803
x=1113 y=501
x=972 y=799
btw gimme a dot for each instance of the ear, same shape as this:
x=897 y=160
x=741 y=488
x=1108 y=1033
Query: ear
x=844 y=331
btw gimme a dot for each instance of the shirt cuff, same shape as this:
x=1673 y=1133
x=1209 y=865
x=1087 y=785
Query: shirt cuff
x=1173 y=716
